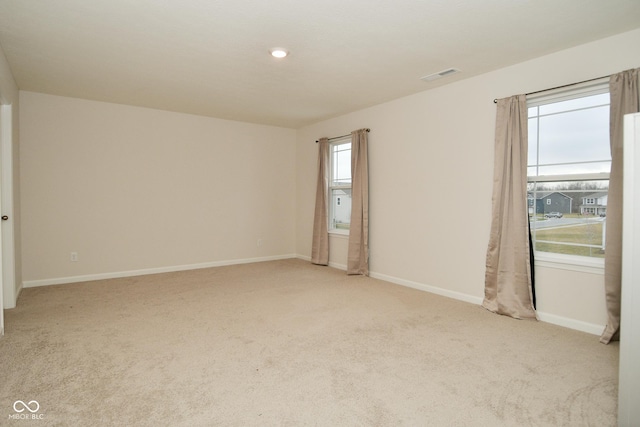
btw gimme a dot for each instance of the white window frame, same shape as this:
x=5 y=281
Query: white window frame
x=332 y=145
x=556 y=260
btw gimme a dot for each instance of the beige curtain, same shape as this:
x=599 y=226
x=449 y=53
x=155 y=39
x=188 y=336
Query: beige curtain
x=358 y=253
x=320 y=243
x=508 y=288
x=625 y=99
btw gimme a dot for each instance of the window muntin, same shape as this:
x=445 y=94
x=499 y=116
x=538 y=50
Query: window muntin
x=340 y=186
x=568 y=167
x=340 y=163
x=570 y=141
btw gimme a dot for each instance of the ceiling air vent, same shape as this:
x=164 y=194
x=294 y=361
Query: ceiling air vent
x=440 y=74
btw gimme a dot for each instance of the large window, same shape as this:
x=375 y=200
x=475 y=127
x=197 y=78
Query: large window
x=569 y=161
x=340 y=186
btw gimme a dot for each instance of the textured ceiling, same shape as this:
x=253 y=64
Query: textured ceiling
x=210 y=57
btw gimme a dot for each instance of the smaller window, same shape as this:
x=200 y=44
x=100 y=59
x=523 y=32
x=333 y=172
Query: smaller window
x=340 y=186
x=548 y=201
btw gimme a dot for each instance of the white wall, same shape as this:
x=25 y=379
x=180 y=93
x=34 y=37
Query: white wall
x=131 y=189
x=9 y=96
x=434 y=152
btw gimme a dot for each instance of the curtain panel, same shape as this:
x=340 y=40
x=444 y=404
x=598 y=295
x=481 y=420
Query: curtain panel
x=358 y=251
x=508 y=283
x=320 y=242
x=625 y=99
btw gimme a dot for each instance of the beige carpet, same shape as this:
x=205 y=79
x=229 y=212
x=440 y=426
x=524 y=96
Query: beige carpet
x=287 y=343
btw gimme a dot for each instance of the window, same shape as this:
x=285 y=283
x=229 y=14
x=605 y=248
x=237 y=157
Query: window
x=340 y=186
x=569 y=161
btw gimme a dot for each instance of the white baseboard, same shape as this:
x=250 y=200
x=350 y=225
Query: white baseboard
x=18 y=291
x=415 y=285
x=338 y=266
x=565 y=322
x=427 y=288
x=120 y=274
x=578 y=325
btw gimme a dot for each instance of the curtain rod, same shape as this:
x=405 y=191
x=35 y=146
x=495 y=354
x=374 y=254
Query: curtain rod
x=341 y=136
x=495 y=101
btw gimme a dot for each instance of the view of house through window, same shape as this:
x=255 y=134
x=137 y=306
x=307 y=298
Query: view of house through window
x=569 y=161
x=340 y=186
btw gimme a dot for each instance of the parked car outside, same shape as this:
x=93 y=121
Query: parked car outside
x=553 y=215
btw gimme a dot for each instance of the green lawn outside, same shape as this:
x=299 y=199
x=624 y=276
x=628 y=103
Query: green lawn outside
x=589 y=234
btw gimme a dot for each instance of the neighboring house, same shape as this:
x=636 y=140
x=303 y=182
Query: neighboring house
x=594 y=204
x=342 y=207
x=549 y=202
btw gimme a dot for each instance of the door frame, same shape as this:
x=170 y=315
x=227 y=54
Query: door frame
x=1 y=240
x=7 y=208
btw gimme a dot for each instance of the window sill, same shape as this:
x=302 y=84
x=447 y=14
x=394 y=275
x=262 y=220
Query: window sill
x=342 y=234
x=570 y=262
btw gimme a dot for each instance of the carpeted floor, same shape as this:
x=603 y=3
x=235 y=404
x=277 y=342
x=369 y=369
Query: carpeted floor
x=287 y=343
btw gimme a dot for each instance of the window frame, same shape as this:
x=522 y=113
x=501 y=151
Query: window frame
x=331 y=186
x=552 y=259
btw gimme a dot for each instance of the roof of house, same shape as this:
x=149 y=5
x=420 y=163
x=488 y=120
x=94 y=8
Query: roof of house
x=595 y=195
x=546 y=194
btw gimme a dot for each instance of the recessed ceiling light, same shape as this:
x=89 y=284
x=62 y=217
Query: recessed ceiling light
x=278 y=52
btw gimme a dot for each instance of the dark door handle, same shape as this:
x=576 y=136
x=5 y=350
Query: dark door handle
x=4 y=217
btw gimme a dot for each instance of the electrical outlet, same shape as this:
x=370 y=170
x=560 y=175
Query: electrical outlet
x=259 y=243
x=74 y=256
